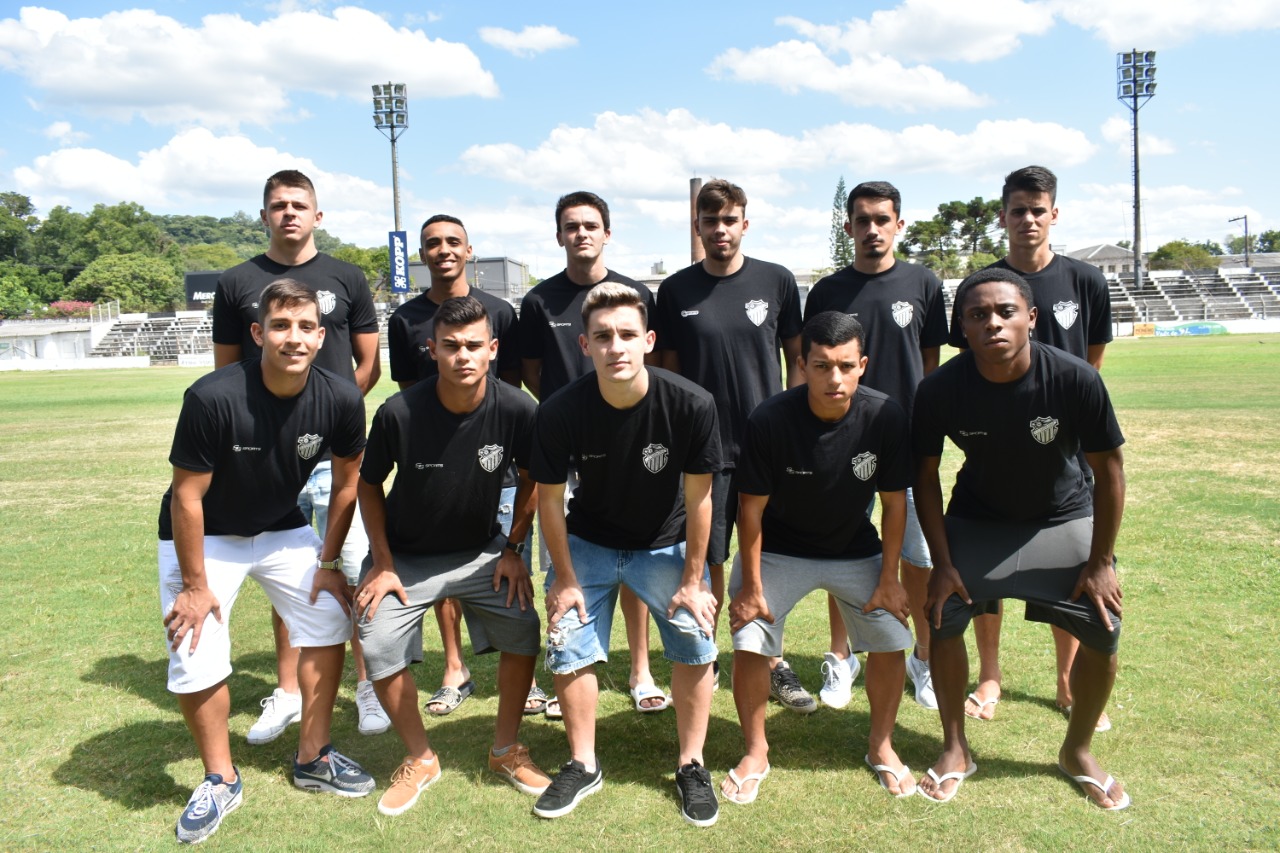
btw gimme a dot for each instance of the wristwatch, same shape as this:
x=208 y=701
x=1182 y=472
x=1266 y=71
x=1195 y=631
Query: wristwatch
x=518 y=547
x=334 y=565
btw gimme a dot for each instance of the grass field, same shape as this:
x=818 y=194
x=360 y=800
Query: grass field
x=95 y=754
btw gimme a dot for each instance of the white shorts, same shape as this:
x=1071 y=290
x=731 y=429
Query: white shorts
x=283 y=562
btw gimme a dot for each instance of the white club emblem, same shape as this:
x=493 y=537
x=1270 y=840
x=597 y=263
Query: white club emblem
x=327 y=301
x=864 y=465
x=757 y=311
x=655 y=458
x=902 y=313
x=308 y=445
x=490 y=457
x=1066 y=313
x=1044 y=430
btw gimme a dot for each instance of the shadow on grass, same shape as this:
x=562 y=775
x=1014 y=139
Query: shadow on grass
x=253 y=679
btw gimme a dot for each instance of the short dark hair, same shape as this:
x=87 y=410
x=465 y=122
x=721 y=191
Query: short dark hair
x=285 y=293
x=460 y=311
x=612 y=294
x=987 y=275
x=717 y=194
x=1030 y=179
x=287 y=178
x=831 y=329
x=442 y=217
x=582 y=198
x=875 y=190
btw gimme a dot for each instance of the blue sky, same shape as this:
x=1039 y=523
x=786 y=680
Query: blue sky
x=187 y=110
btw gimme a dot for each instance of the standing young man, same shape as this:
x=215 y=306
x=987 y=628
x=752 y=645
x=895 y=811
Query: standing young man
x=290 y=213
x=811 y=455
x=1074 y=306
x=450 y=439
x=721 y=322
x=248 y=437
x=646 y=445
x=905 y=317
x=552 y=357
x=445 y=249
x=1021 y=522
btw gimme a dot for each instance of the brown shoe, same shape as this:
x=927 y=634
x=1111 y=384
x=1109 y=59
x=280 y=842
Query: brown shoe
x=410 y=779
x=518 y=769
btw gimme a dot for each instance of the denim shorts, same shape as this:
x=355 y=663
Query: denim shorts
x=313 y=500
x=914 y=549
x=654 y=576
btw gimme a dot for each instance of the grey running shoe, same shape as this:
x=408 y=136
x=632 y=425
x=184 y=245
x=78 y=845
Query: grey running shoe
x=333 y=773
x=209 y=804
x=785 y=686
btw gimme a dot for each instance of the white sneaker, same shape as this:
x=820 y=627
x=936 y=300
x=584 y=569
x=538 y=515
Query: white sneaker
x=837 y=679
x=922 y=678
x=373 y=720
x=278 y=711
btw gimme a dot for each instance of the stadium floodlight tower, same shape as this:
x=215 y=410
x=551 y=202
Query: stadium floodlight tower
x=1135 y=85
x=391 y=116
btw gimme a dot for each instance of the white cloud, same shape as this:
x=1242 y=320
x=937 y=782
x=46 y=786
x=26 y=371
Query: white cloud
x=62 y=133
x=228 y=71
x=1103 y=213
x=528 y=42
x=1119 y=132
x=1148 y=25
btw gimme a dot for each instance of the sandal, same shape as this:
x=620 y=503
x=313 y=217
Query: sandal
x=536 y=702
x=553 y=709
x=642 y=693
x=739 y=797
x=450 y=698
x=982 y=706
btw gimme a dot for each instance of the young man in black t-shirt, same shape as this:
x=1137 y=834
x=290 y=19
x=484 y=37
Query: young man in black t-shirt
x=450 y=439
x=646 y=444
x=721 y=323
x=1021 y=522
x=247 y=439
x=811 y=455
x=1073 y=305
x=290 y=213
x=901 y=308
x=552 y=357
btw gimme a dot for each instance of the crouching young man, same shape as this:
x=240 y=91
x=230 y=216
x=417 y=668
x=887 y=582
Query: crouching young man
x=247 y=439
x=811 y=455
x=436 y=536
x=646 y=444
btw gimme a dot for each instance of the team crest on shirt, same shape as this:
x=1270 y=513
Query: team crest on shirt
x=308 y=445
x=902 y=313
x=757 y=311
x=327 y=301
x=864 y=466
x=655 y=458
x=1066 y=313
x=1044 y=430
x=490 y=457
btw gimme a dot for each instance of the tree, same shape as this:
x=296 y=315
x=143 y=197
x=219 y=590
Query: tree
x=205 y=256
x=957 y=231
x=1268 y=241
x=18 y=223
x=374 y=263
x=979 y=261
x=1182 y=255
x=44 y=286
x=1236 y=245
x=1124 y=244
x=15 y=300
x=841 y=244
x=139 y=282
x=1210 y=247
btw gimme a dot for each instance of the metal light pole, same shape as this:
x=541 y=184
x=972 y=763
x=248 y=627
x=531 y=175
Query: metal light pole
x=1246 y=237
x=1135 y=85
x=391 y=116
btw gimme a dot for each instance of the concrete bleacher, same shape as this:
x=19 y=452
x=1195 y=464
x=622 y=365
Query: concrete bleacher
x=162 y=338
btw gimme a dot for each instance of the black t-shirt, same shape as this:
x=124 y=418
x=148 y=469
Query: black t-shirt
x=449 y=467
x=631 y=462
x=901 y=311
x=410 y=326
x=727 y=332
x=1020 y=439
x=346 y=306
x=551 y=321
x=1073 y=306
x=261 y=448
x=820 y=476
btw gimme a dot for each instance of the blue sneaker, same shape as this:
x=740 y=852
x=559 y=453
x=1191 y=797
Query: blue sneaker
x=334 y=773
x=209 y=804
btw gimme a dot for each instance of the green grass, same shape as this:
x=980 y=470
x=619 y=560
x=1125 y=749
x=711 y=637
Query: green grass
x=95 y=754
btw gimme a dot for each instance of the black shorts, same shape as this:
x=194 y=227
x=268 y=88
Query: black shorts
x=1036 y=563
x=724 y=512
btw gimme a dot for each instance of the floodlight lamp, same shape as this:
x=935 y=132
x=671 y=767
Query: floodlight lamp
x=1126 y=73
x=400 y=119
x=398 y=104
x=1126 y=90
x=1150 y=56
x=1151 y=89
x=398 y=89
x=377 y=90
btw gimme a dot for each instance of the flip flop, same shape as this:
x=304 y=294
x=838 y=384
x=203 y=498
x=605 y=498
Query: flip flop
x=1104 y=786
x=896 y=774
x=642 y=692
x=450 y=698
x=554 y=711
x=973 y=697
x=739 y=797
x=1104 y=722
x=938 y=780
x=539 y=699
